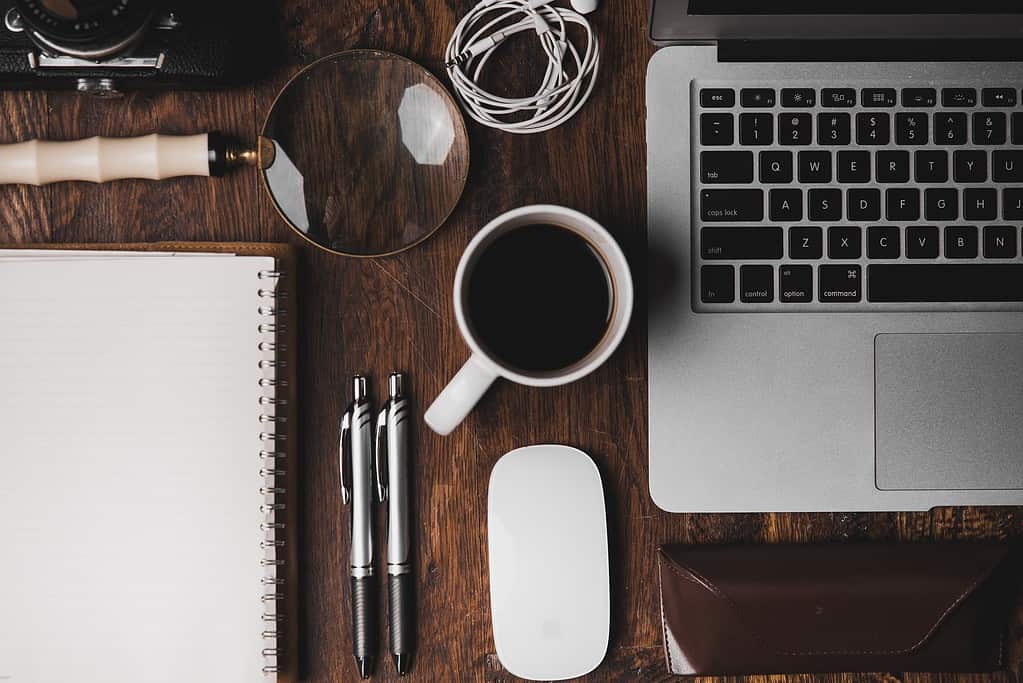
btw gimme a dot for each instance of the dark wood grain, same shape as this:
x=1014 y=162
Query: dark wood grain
x=395 y=313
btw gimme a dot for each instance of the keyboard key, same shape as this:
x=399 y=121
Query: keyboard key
x=776 y=167
x=902 y=204
x=941 y=204
x=1007 y=167
x=756 y=129
x=798 y=97
x=932 y=166
x=1017 y=128
x=844 y=242
x=922 y=242
x=736 y=206
x=825 y=205
x=805 y=243
x=840 y=283
x=717 y=97
x=864 y=205
x=838 y=97
x=717 y=284
x=893 y=167
x=970 y=166
x=879 y=97
x=980 y=204
x=726 y=167
x=873 y=128
x=989 y=128
x=883 y=242
x=960 y=241
x=815 y=167
x=911 y=129
x=760 y=243
x=756 y=284
x=854 y=167
x=834 y=129
x=1000 y=241
x=795 y=284
x=938 y=282
x=786 y=205
x=757 y=97
x=999 y=97
x=1012 y=206
x=919 y=97
x=795 y=129
x=959 y=97
x=950 y=129
x=717 y=129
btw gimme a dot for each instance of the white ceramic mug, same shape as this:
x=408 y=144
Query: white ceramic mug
x=479 y=372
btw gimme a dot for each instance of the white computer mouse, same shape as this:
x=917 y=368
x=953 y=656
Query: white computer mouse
x=549 y=576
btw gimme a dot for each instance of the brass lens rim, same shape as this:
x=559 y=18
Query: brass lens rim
x=265 y=148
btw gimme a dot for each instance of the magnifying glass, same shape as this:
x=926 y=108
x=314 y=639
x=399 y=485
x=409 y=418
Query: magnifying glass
x=363 y=153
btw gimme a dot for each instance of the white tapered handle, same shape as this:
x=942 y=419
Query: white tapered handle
x=97 y=160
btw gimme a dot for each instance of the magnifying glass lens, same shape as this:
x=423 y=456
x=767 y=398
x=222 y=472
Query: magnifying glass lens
x=365 y=153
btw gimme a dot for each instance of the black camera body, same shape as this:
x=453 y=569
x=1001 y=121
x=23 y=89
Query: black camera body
x=105 y=46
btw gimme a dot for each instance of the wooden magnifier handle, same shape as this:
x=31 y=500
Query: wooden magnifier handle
x=99 y=160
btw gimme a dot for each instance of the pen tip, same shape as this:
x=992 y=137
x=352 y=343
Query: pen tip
x=365 y=666
x=401 y=663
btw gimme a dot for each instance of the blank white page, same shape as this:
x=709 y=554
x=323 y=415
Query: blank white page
x=129 y=469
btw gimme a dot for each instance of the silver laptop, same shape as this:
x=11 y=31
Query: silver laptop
x=836 y=278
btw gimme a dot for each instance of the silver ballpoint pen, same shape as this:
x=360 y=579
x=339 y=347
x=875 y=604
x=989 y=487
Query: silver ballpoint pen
x=355 y=466
x=392 y=486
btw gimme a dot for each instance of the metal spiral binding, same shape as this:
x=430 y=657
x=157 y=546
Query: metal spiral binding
x=271 y=458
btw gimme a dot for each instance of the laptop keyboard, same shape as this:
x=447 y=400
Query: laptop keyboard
x=857 y=198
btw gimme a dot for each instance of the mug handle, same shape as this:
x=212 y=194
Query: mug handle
x=461 y=394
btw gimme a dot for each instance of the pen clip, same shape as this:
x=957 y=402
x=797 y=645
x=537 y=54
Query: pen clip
x=344 y=463
x=381 y=453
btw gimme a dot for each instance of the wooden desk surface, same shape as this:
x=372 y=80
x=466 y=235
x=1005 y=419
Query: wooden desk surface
x=396 y=313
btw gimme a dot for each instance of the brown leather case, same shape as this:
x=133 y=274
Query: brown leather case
x=835 y=608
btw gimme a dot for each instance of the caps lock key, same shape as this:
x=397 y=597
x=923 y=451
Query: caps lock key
x=733 y=206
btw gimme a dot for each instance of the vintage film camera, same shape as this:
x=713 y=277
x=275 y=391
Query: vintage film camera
x=102 y=46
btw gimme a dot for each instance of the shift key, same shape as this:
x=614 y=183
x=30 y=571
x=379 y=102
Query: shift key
x=733 y=206
x=742 y=243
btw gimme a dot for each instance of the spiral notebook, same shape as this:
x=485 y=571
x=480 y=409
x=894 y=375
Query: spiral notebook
x=144 y=504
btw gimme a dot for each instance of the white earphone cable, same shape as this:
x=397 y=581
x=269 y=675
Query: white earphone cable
x=558 y=97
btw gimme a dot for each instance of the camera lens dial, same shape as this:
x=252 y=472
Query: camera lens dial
x=90 y=29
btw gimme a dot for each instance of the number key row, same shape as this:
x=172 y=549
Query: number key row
x=872 y=128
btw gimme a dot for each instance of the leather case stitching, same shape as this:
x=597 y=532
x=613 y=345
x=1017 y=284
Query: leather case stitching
x=694 y=577
x=664 y=620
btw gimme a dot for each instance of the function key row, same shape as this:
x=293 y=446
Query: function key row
x=868 y=97
x=867 y=128
x=846 y=243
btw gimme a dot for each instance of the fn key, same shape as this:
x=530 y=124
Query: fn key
x=717 y=284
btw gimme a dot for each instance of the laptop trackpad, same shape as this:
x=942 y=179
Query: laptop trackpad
x=948 y=411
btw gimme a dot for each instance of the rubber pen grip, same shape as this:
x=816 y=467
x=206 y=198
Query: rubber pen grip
x=400 y=604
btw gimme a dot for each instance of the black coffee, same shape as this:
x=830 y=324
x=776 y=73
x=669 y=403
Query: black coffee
x=539 y=298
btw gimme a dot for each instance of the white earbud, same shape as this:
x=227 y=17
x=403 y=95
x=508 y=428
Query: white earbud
x=580 y=6
x=585 y=6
